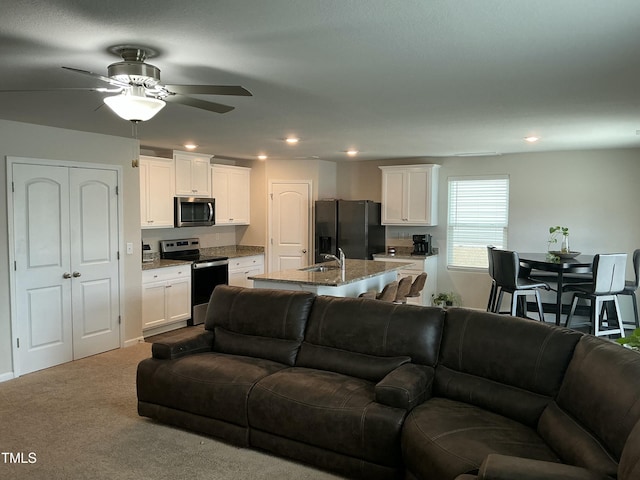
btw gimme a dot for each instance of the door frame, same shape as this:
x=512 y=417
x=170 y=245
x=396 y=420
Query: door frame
x=11 y=160
x=309 y=184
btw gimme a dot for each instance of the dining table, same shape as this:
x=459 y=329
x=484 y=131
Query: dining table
x=580 y=264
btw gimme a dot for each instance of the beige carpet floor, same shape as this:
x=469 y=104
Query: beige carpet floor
x=79 y=421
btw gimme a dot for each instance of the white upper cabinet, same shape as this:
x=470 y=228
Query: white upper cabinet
x=192 y=174
x=231 y=187
x=156 y=192
x=410 y=195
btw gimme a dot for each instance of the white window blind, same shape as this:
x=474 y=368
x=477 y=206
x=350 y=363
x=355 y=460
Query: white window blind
x=478 y=216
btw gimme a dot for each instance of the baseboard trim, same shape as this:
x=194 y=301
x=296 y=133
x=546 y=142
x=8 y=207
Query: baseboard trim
x=133 y=341
x=6 y=376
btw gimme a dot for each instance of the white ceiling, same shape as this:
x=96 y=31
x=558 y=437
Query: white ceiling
x=391 y=78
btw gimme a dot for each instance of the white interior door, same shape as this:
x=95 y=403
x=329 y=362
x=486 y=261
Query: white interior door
x=42 y=266
x=94 y=261
x=66 y=267
x=289 y=226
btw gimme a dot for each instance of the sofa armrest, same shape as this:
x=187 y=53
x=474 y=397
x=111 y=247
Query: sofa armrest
x=503 y=467
x=182 y=345
x=405 y=386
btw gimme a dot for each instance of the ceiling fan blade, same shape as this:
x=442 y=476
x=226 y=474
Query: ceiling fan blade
x=111 y=81
x=209 y=90
x=63 y=89
x=194 y=102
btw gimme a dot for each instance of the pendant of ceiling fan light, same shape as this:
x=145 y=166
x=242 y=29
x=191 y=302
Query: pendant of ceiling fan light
x=134 y=105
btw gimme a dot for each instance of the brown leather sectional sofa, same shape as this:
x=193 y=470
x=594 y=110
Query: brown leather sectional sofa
x=374 y=390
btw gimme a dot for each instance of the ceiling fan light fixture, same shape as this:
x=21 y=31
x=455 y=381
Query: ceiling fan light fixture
x=134 y=108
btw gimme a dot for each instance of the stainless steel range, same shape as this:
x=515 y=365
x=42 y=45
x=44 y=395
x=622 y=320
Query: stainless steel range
x=207 y=271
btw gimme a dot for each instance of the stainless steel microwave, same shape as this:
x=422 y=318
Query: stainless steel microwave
x=194 y=212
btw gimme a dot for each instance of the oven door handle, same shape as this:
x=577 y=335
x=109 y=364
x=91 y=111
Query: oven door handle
x=210 y=205
x=217 y=263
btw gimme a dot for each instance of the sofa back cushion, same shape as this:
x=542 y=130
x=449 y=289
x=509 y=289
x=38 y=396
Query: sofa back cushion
x=260 y=323
x=597 y=406
x=511 y=366
x=369 y=338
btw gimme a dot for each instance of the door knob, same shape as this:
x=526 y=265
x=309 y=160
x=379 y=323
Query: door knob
x=66 y=275
x=304 y=251
x=76 y=274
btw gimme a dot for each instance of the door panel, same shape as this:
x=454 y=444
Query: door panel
x=94 y=260
x=66 y=277
x=290 y=213
x=43 y=295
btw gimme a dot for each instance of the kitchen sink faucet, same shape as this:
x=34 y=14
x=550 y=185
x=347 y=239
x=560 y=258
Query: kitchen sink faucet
x=341 y=261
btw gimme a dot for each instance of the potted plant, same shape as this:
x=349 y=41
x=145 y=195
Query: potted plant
x=631 y=341
x=446 y=299
x=553 y=238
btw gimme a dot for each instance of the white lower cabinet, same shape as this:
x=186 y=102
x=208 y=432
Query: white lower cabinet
x=426 y=264
x=240 y=268
x=166 y=296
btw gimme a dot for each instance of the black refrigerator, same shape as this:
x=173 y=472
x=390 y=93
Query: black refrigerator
x=353 y=225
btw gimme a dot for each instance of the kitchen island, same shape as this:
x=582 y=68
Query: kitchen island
x=326 y=278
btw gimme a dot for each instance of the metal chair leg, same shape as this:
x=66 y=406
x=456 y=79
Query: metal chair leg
x=574 y=303
x=540 y=310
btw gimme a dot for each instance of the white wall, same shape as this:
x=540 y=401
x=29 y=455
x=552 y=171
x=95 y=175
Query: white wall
x=594 y=193
x=25 y=140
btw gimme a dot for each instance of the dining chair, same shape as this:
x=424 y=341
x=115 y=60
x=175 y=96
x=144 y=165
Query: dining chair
x=493 y=293
x=630 y=288
x=404 y=286
x=608 y=282
x=506 y=271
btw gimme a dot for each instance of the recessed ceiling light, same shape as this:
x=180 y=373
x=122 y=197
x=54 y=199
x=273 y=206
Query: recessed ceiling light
x=532 y=139
x=292 y=140
x=190 y=146
x=262 y=157
x=352 y=152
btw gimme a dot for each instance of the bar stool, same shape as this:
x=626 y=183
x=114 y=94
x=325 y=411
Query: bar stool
x=417 y=286
x=493 y=293
x=630 y=288
x=404 y=286
x=608 y=283
x=506 y=270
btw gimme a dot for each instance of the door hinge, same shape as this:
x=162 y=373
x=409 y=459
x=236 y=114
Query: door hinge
x=119 y=320
x=272 y=241
x=117 y=190
x=15 y=266
x=271 y=196
x=118 y=255
x=13 y=187
x=18 y=342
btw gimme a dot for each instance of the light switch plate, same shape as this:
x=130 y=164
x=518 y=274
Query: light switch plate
x=129 y=248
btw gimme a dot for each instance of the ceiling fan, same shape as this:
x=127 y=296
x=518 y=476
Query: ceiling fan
x=140 y=93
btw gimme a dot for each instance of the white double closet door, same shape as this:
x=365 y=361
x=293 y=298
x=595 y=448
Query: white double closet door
x=65 y=223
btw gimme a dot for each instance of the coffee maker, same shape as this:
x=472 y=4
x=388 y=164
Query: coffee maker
x=421 y=245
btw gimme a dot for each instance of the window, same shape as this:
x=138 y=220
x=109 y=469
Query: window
x=478 y=216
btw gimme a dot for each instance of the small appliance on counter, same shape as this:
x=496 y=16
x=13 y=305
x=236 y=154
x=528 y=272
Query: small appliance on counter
x=206 y=272
x=147 y=254
x=422 y=245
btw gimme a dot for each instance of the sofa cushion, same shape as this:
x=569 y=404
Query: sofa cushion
x=367 y=367
x=443 y=438
x=260 y=323
x=597 y=405
x=327 y=410
x=630 y=460
x=508 y=365
x=376 y=328
x=209 y=384
x=406 y=386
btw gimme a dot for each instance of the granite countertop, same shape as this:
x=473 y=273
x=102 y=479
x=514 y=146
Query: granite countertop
x=231 y=251
x=355 y=270
x=405 y=253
